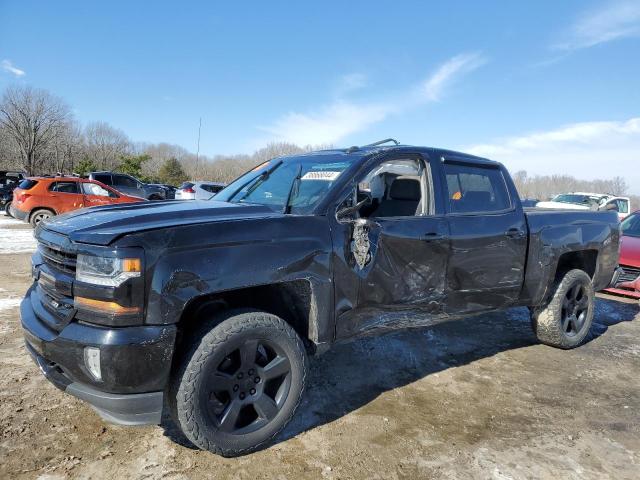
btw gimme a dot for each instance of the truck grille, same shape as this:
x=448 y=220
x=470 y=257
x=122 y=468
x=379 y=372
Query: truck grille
x=58 y=259
x=629 y=273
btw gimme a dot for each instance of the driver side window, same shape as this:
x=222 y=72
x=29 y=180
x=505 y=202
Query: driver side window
x=397 y=188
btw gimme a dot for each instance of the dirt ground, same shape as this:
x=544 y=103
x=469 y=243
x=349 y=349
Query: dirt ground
x=476 y=398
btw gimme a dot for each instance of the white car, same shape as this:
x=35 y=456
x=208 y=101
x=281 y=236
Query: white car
x=198 y=190
x=589 y=201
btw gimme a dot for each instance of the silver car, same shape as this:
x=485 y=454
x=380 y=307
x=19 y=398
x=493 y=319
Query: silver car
x=198 y=190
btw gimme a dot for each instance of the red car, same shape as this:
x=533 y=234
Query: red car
x=629 y=282
x=39 y=198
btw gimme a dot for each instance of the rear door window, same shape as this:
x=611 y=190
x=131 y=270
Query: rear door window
x=124 y=181
x=103 y=178
x=64 y=187
x=472 y=189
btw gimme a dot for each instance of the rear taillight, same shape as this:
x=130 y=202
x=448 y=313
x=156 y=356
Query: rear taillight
x=188 y=190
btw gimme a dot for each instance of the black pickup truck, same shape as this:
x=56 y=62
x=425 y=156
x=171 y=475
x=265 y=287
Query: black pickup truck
x=209 y=309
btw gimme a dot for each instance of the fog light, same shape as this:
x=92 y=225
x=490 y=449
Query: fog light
x=92 y=361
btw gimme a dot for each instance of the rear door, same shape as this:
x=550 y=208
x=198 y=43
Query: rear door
x=64 y=196
x=488 y=235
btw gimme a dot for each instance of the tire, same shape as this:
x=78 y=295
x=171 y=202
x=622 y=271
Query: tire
x=7 y=210
x=240 y=383
x=155 y=197
x=40 y=215
x=566 y=320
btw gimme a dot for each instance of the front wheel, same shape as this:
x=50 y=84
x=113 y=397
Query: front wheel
x=241 y=382
x=7 y=209
x=566 y=320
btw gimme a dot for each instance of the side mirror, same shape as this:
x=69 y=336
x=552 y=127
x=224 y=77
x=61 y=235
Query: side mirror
x=347 y=211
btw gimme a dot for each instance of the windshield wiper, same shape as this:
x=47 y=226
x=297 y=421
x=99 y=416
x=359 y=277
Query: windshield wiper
x=259 y=181
x=295 y=185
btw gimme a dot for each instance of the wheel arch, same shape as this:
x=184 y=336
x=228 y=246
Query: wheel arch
x=585 y=260
x=293 y=301
x=35 y=209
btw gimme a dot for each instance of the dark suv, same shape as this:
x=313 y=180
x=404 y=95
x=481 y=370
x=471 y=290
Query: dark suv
x=130 y=185
x=8 y=182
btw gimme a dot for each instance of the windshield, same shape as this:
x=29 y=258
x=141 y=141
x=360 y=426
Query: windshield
x=577 y=199
x=631 y=225
x=289 y=185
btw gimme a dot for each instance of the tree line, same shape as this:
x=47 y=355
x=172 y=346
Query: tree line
x=39 y=135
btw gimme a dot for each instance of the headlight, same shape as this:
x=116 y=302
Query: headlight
x=107 y=271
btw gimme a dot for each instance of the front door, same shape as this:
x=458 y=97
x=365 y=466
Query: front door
x=398 y=248
x=488 y=238
x=95 y=195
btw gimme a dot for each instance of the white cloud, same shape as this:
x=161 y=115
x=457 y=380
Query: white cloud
x=335 y=121
x=352 y=82
x=7 y=66
x=436 y=84
x=587 y=150
x=617 y=19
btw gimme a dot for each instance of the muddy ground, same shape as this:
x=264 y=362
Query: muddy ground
x=473 y=399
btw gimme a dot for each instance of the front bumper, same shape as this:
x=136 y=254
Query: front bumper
x=135 y=363
x=624 y=288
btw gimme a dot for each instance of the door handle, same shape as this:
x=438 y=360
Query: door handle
x=429 y=236
x=514 y=233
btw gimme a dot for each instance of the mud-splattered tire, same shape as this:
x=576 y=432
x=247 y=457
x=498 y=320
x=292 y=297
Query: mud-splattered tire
x=240 y=383
x=566 y=320
x=40 y=215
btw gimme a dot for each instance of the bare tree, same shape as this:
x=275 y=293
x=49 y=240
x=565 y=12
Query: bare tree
x=106 y=144
x=32 y=118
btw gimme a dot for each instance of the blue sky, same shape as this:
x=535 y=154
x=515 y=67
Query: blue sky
x=551 y=87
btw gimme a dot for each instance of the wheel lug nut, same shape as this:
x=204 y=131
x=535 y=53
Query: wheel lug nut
x=257 y=379
x=242 y=395
x=252 y=391
x=240 y=376
x=235 y=388
x=251 y=372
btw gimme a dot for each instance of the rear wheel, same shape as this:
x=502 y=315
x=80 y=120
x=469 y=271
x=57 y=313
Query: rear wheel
x=241 y=382
x=566 y=321
x=7 y=209
x=40 y=216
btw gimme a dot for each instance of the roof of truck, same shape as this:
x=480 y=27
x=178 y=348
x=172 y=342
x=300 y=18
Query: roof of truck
x=432 y=152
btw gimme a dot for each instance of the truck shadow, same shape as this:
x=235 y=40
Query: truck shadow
x=352 y=374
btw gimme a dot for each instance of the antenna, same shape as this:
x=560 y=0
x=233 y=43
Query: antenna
x=198 y=150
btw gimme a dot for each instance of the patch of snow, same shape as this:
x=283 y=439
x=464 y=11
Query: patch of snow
x=9 y=303
x=16 y=240
x=4 y=220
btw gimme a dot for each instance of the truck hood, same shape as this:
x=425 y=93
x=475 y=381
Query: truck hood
x=102 y=225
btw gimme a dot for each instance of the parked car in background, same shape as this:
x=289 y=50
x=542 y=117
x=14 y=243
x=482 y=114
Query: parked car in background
x=8 y=182
x=170 y=190
x=589 y=201
x=529 y=202
x=198 y=190
x=40 y=198
x=129 y=185
x=628 y=283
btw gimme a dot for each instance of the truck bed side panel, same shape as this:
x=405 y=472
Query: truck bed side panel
x=556 y=232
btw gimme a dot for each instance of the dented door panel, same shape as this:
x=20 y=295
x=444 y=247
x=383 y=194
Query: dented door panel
x=399 y=265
